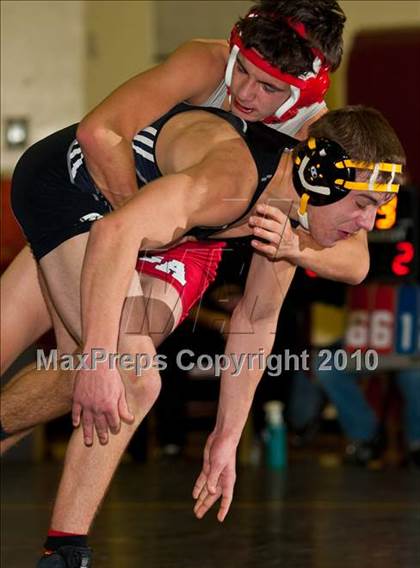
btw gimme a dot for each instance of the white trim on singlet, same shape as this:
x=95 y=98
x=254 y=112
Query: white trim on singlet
x=146 y=141
x=74 y=159
x=141 y=176
x=146 y=155
x=141 y=144
x=217 y=97
x=76 y=150
x=292 y=126
x=150 y=130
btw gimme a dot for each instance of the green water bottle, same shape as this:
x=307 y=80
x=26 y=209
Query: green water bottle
x=276 y=438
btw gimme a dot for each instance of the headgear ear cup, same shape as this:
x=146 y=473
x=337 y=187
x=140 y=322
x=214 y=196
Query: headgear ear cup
x=323 y=173
x=315 y=171
x=315 y=88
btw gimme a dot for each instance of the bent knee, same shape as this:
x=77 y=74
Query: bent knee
x=140 y=368
x=142 y=388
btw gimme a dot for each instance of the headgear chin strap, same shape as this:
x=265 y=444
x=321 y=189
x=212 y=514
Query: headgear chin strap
x=323 y=174
x=307 y=89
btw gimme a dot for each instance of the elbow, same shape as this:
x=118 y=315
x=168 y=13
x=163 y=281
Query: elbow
x=85 y=130
x=95 y=132
x=110 y=235
x=107 y=238
x=354 y=270
x=359 y=271
x=239 y=317
x=90 y=133
x=106 y=231
x=260 y=328
x=101 y=231
x=359 y=268
x=262 y=314
x=357 y=279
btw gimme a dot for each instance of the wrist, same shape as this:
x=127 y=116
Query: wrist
x=300 y=254
x=98 y=355
x=228 y=433
x=294 y=256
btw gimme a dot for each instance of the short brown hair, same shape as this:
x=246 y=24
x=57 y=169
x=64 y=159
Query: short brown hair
x=364 y=134
x=278 y=43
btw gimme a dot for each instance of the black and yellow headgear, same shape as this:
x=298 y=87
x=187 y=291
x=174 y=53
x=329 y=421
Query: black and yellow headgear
x=323 y=173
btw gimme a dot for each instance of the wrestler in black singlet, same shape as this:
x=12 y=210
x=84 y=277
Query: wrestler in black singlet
x=54 y=198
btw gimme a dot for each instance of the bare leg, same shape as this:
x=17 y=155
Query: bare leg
x=88 y=470
x=24 y=315
x=16 y=430
x=34 y=398
x=13 y=440
x=37 y=396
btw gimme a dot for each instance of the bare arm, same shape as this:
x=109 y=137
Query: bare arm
x=113 y=245
x=252 y=330
x=347 y=261
x=182 y=200
x=161 y=213
x=105 y=134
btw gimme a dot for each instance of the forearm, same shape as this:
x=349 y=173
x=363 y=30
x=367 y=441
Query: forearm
x=112 y=251
x=347 y=261
x=105 y=280
x=237 y=392
x=252 y=331
x=106 y=133
x=110 y=161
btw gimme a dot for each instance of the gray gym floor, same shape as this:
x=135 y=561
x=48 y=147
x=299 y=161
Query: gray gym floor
x=310 y=516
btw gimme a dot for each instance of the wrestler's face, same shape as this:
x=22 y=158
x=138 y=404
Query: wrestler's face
x=255 y=93
x=331 y=223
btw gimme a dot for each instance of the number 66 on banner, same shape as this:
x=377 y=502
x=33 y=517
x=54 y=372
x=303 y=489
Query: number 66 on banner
x=384 y=318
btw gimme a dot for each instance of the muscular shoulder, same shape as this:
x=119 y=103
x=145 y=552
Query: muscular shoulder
x=203 y=62
x=228 y=176
x=200 y=137
x=215 y=50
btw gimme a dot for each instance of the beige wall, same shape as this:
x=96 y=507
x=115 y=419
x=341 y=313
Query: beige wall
x=42 y=45
x=120 y=43
x=370 y=14
x=59 y=58
x=178 y=21
x=41 y=69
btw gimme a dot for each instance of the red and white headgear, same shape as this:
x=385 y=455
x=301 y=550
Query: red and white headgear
x=306 y=89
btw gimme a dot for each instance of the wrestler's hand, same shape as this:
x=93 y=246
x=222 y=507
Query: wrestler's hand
x=273 y=226
x=217 y=477
x=99 y=402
